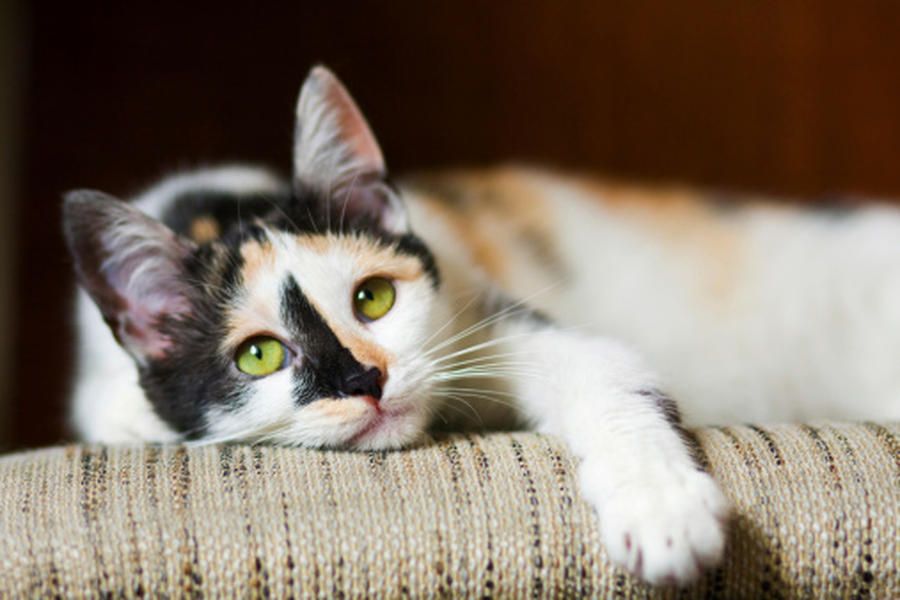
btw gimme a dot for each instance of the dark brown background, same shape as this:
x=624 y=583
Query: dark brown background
x=788 y=97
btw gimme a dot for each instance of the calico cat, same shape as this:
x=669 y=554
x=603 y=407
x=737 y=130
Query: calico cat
x=339 y=310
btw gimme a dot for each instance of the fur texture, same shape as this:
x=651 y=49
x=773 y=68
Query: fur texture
x=521 y=296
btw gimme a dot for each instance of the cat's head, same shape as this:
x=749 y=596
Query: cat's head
x=304 y=325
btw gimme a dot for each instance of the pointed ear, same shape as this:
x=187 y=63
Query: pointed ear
x=335 y=154
x=131 y=265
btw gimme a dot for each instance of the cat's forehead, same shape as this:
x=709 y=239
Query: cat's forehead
x=323 y=257
x=326 y=268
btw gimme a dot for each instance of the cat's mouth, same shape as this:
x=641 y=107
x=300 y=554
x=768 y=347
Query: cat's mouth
x=379 y=423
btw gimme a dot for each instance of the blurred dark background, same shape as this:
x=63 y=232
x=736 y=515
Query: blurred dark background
x=790 y=98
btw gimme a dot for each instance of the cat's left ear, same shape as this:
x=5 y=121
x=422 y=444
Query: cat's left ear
x=336 y=154
x=132 y=266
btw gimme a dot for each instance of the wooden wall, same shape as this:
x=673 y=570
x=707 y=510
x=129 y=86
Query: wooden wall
x=799 y=98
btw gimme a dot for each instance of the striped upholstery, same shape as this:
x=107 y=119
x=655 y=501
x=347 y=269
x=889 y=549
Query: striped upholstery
x=817 y=512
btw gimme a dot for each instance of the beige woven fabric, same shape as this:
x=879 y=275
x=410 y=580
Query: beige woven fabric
x=817 y=513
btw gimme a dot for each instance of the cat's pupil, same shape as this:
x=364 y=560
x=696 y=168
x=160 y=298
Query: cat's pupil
x=365 y=295
x=256 y=351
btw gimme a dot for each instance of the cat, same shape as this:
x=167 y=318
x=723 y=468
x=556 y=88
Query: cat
x=340 y=310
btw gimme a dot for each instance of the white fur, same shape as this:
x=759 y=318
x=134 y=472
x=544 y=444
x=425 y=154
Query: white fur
x=237 y=179
x=807 y=326
x=108 y=405
x=662 y=518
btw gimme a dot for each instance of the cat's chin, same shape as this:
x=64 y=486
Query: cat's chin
x=388 y=430
x=345 y=424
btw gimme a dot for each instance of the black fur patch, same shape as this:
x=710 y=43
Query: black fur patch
x=329 y=370
x=231 y=211
x=194 y=375
x=304 y=212
x=668 y=408
x=512 y=310
x=414 y=246
x=835 y=207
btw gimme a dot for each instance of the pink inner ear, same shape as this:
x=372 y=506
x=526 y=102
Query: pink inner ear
x=371 y=200
x=139 y=329
x=144 y=272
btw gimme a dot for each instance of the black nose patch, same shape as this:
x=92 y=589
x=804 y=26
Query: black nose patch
x=329 y=369
x=367 y=383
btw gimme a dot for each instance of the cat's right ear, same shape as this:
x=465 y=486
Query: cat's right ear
x=335 y=153
x=131 y=265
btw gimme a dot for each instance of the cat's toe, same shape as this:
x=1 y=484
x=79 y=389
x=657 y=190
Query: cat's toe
x=666 y=533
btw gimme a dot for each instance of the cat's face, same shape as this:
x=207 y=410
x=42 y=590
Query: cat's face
x=345 y=318
x=305 y=325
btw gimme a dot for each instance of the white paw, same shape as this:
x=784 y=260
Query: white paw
x=664 y=529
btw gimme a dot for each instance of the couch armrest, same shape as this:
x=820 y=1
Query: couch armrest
x=816 y=515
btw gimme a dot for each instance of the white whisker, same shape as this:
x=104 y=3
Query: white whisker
x=506 y=312
x=466 y=403
x=453 y=318
x=478 y=395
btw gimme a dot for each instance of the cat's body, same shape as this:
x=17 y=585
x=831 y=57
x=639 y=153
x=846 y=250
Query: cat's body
x=518 y=296
x=752 y=312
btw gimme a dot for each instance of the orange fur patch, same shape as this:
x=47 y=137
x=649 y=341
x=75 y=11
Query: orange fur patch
x=204 y=229
x=250 y=320
x=257 y=315
x=685 y=221
x=372 y=258
x=256 y=257
x=493 y=212
x=484 y=251
x=340 y=409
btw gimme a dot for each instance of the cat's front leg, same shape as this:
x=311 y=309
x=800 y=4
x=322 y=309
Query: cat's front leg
x=661 y=516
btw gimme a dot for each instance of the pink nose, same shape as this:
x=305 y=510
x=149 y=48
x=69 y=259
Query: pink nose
x=372 y=401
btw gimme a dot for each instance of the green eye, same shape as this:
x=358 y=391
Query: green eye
x=373 y=298
x=260 y=356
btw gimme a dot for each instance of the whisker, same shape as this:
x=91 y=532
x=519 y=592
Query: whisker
x=346 y=200
x=480 y=396
x=499 y=358
x=465 y=403
x=496 y=375
x=488 y=344
x=506 y=312
x=482 y=391
x=453 y=318
x=434 y=412
x=498 y=340
x=488 y=367
x=312 y=221
x=495 y=355
x=498 y=372
x=277 y=207
x=472 y=329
